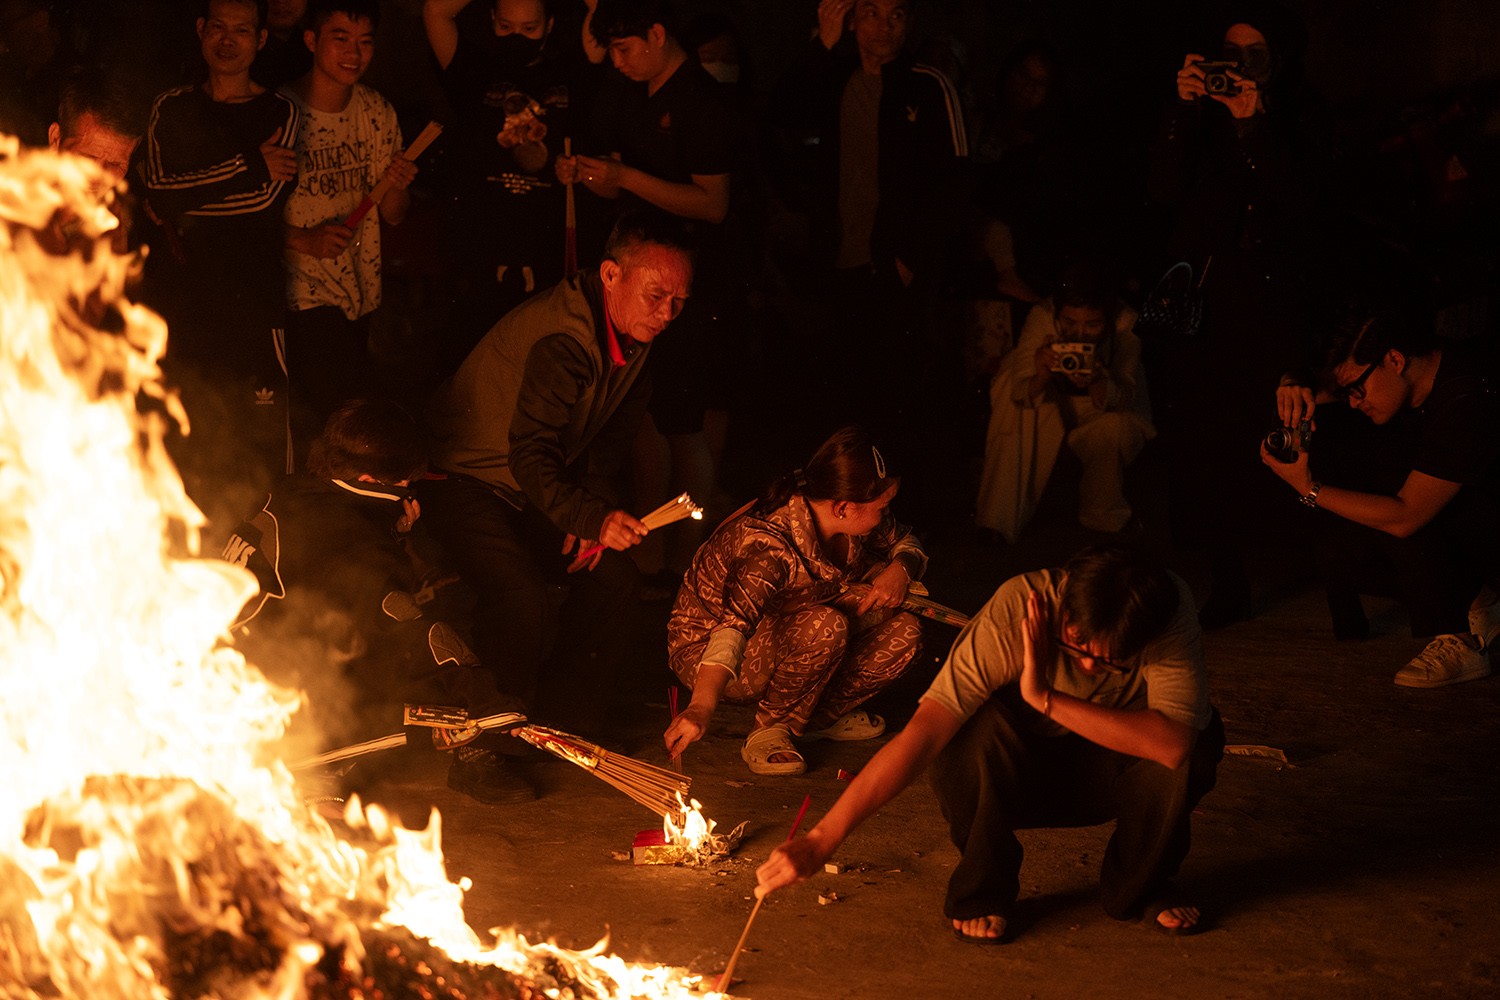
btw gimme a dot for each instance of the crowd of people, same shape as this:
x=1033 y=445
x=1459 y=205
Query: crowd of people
x=609 y=223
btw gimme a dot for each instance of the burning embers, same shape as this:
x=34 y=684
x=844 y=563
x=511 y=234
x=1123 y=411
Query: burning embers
x=149 y=845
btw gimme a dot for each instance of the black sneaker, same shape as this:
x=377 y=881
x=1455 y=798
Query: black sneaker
x=484 y=775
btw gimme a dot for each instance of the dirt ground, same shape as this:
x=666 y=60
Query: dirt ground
x=1364 y=867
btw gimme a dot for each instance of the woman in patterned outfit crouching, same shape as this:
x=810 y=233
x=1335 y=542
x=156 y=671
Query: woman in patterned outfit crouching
x=792 y=604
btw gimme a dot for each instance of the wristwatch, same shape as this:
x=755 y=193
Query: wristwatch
x=1310 y=498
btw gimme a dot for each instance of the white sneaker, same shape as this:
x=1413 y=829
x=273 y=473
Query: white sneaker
x=1447 y=659
x=1485 y=623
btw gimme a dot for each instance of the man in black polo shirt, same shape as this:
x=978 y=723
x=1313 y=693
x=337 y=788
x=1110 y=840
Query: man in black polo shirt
x=1441 y=528
x=665 y=137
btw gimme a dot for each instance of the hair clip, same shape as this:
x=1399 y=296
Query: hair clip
x=879 y=462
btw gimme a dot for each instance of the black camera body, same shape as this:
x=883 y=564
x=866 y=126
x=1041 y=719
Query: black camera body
x=1285 y=442
x=1216 y=78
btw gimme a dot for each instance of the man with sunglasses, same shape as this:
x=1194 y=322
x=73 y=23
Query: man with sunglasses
x=1437 y=534
x=1075 y=696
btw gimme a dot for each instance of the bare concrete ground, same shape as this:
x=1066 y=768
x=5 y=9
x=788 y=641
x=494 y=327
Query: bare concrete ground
x=1367 y=867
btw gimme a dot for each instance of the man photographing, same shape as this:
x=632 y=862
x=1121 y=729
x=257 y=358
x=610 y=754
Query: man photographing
x=1440 y=530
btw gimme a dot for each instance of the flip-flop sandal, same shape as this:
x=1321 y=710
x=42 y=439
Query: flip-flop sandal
x=852 y=727
x=981 y=939
x=763 y=744
x=1160 y=905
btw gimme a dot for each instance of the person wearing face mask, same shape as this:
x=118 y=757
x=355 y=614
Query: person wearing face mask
x=513 y=82
x=1236 y=174
x=1045 y=394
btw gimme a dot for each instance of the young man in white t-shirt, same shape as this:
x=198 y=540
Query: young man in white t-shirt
x=349 y=141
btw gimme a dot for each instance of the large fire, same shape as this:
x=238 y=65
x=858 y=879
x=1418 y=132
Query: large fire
x=151 y=844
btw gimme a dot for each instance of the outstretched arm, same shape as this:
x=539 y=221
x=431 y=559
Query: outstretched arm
x=897 y=765
x=440 y=19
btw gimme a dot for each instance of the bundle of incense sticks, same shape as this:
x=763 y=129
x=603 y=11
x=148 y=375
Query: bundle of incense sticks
x=678 y=508
x=418 y=145
x=917 y=604
x=654 y=787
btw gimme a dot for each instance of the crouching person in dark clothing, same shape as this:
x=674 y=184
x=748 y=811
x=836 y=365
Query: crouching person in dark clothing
x=1076 y=696
x=338 y=614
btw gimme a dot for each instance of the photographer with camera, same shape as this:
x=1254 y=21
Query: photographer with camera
x=1440 y=530
x=1075 y=376
x=1236 y=172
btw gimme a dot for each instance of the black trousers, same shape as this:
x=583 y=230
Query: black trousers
x=551 y=639
x=997 y=776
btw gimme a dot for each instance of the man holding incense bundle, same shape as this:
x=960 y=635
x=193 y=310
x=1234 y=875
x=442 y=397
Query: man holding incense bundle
x=773 y=610
x=531 y=432
x=1076 y=696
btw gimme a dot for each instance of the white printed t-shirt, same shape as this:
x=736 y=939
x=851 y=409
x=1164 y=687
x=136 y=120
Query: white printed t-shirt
x=340 y=158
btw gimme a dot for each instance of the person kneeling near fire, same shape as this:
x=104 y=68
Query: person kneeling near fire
x=792 y=604
x=1075 y=696
x=338 y=611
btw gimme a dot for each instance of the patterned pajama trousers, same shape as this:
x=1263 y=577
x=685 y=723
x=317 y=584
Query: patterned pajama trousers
x=808 y=669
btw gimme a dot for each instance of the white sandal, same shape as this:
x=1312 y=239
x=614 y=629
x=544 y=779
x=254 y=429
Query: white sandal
x=763 y=744
x=854 y=726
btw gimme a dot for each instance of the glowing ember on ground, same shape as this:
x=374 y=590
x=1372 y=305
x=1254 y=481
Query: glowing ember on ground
x=150 y=845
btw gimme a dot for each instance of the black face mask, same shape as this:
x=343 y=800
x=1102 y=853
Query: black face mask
x=516 y=49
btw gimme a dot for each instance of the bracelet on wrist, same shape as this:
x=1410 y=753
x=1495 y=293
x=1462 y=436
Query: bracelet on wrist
x=1310 y=498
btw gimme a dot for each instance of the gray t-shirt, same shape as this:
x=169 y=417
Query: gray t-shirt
x=1169 y=675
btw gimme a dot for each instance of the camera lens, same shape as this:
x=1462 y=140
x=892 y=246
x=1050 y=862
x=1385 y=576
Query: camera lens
x=1281 y=439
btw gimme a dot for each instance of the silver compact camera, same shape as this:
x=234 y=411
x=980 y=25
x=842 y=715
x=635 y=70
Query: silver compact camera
x=1072 y=357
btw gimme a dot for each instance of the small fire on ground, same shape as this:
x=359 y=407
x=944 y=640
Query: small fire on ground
x=152 y=844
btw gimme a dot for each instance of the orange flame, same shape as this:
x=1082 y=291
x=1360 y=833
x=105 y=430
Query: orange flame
x=135 y=740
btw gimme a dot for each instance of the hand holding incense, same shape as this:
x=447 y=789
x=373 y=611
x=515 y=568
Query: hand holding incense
x=678 y=508
x=723 y=983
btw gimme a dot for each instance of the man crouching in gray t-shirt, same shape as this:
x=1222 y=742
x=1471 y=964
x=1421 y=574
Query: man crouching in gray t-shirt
x=1076 y=696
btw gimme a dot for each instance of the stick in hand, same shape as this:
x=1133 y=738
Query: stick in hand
x=676 y=509
x=420 y=143
x=723 y=983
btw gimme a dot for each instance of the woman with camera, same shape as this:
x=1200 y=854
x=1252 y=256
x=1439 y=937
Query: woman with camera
x=1075 y=376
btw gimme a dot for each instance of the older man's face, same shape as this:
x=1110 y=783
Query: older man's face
x=96 y=141
x=646 y=292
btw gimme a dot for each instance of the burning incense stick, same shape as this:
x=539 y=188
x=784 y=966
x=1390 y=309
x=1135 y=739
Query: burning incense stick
x=673 y=713
x=420 y=143
x=678 y=508
x=740 y=945
x=570 y=219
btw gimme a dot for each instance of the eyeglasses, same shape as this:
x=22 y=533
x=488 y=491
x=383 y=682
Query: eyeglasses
x=1112 y=665
x=1356 y=390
